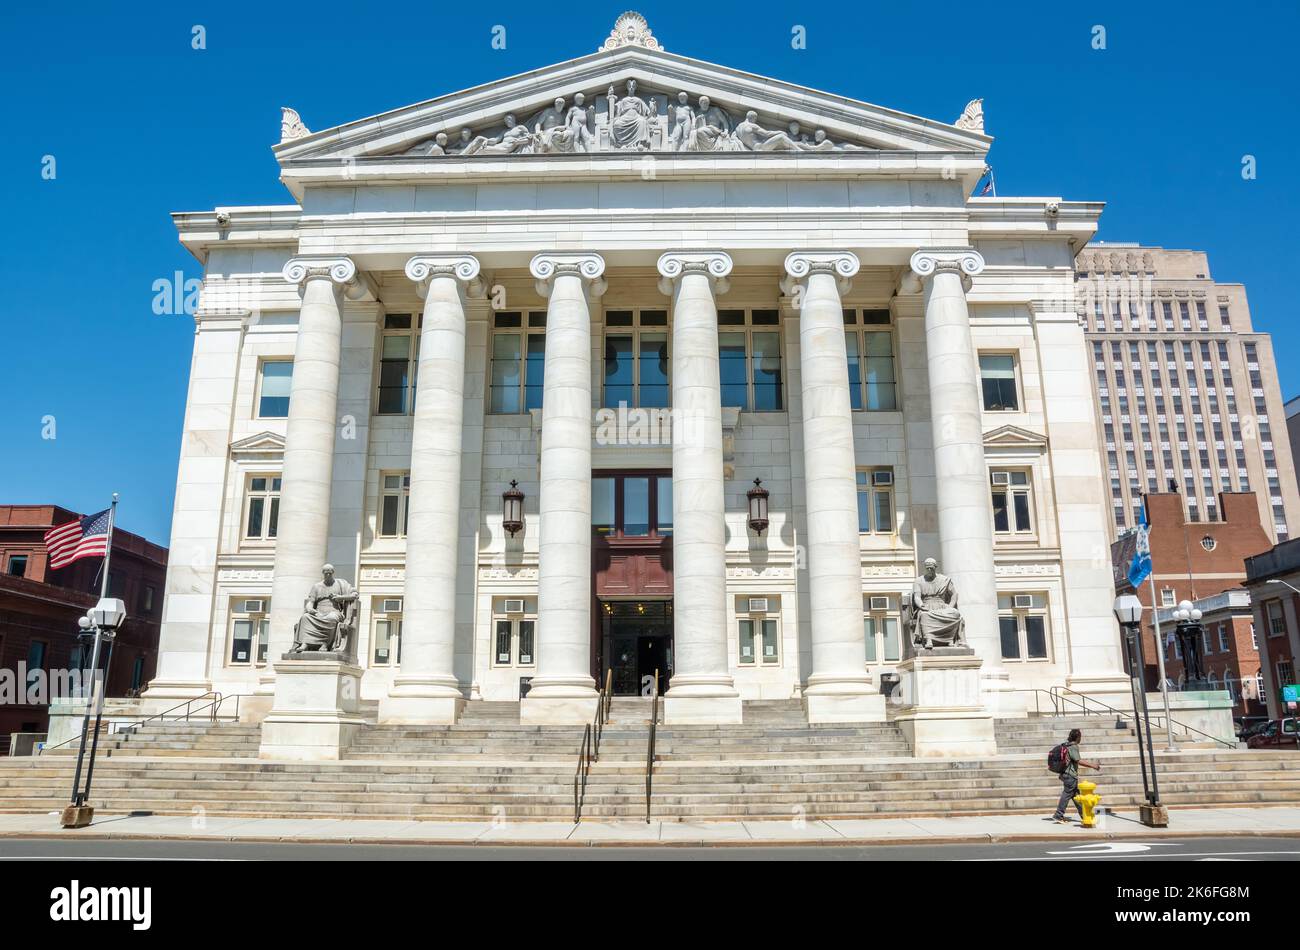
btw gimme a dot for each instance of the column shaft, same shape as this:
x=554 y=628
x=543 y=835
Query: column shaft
x=564 y=689
x=961 y=475
x=839 y=687
x=303 y=529
x=426 y=689
x=701 y=689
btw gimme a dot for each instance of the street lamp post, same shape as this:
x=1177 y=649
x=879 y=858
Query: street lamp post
x=1128 y=611
x=105 y=617
x=1188 y=630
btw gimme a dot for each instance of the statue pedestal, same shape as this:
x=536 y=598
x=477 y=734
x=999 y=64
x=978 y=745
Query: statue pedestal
x=943 y=713
x=315 y=714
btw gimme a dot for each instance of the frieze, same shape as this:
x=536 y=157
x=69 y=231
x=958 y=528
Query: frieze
x=230 y=575
x=759 y=572
x=383 y=574
x=1027 y=570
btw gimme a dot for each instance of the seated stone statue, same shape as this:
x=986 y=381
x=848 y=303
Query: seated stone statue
x=330 y=617
x=930 y=614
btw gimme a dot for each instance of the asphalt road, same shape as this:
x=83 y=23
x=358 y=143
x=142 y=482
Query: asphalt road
x=1188 y=849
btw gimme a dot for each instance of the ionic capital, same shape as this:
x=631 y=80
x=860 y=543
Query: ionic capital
x=342 y=271
x=925 y=263
x=800 y=265
x=462 y=268
x=586 y=266
x=715 y=265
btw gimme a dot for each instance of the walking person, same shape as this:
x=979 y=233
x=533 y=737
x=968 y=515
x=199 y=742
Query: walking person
x=1064 y=759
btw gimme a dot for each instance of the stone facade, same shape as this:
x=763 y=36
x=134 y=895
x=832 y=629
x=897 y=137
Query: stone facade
x=829 y=312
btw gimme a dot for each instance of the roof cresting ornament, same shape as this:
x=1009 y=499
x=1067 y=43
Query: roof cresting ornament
x=630 y=29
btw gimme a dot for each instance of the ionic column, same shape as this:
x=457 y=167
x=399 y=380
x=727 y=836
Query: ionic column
x=961 y=475
x=563 y=689
x=839 y=688
x=426 y=689
x=701 y=689
x=303 y=530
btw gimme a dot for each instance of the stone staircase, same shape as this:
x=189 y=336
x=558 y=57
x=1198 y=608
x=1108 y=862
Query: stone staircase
x=773 y=766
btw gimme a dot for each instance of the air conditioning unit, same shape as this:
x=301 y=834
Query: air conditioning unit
x=1001 y=478
x=879 y=603
x=254 y=607
x=515 y=606
x=391 y=605
x=1022 y=601
x=885 y=477
x=758 y=605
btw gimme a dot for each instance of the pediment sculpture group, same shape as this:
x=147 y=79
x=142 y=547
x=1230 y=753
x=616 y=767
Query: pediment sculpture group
x=631 y=123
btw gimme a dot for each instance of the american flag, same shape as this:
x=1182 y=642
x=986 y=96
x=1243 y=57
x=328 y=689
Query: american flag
x=85 y=537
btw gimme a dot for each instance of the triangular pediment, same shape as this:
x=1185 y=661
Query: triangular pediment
x=261 y=444
x=517 y=116
x=1014 y=437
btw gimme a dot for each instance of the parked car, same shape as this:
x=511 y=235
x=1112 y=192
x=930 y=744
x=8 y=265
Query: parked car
x=1248 y=726
x=1278 y=732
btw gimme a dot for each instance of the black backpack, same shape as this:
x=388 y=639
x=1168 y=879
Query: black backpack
x=1059 y=758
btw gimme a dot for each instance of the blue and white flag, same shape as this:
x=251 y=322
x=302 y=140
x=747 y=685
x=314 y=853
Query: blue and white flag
x=1140 y=567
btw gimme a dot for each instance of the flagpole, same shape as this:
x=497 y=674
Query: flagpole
x=108 y=549
x=1160 y=643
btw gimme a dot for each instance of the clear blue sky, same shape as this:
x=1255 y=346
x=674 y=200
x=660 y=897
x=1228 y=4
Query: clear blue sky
x=140 y=124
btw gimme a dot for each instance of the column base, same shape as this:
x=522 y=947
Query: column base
x=315 y=714
x=434 y=700
x=843 y=697
x=944 y=714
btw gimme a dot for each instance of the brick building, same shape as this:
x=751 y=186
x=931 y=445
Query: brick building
x=39 y=607
x=1203 y=562
x=1272 y=577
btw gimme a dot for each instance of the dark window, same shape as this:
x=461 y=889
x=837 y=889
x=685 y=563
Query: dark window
x=1035 y=637
x=18 y=565
x=632 y=506
x=277 y=377
x=1010 y=638
x=998 y=378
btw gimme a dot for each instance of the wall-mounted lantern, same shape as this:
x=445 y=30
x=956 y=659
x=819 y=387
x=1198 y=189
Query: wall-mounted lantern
x=512 y=508
x=758 y=506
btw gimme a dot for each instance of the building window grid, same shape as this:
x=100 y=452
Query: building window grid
x=518 y=370
x=873 y=374
x=261 y=507
x=750 y=359
x=399 y=358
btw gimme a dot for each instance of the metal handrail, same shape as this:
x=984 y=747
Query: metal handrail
x=1056 y=694
x=216 y=702
x=650 y=745
x=590 y=749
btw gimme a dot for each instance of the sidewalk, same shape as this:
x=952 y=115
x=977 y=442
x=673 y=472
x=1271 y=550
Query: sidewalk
x=982 y=829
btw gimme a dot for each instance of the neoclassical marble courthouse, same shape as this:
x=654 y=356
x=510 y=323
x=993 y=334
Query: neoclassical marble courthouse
x=630 y=285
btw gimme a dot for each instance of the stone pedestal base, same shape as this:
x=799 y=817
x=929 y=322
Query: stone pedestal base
x=76 y=816
x=701 y=710
x=557 y=710
x=315 y=713
x=943 y=713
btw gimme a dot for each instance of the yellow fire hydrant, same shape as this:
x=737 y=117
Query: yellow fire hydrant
x=1088 y=799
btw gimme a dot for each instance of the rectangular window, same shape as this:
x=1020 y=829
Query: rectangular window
x=146 y=601
x=747 y=654
x=393 y=515
x=749 y=352
x=137 y=674
x=388 y=641
x=1223 y=638
x=273 y=396
x=636 y=359
x=1012 y=505
x=758 y=634
x=880 y=632
x=398 y=359
x=873 y=385
x=514 y=634
x=1166 y=597
x=518 y=372
x=262 y=515
x=632 y=506
x=875 y=501
x=1022 y=626
x=249 y=632
x=998 y=381
x=18 y=565
x=1276 y=618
